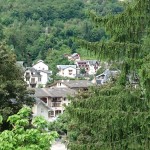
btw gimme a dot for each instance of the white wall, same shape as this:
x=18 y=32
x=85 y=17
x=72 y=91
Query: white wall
x=91 y=70
x=65 y=72
x=42 y=111
x=44 y=78
x=28 y=82
x=40 y=66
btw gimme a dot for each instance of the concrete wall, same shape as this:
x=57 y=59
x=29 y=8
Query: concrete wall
x=44 y=78
x=68 y=72
x=42 y=111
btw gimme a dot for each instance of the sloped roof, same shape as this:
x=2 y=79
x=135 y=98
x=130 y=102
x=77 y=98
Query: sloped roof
x=40 y=61
x=66 y=66
x=106 y=75
x=76 y=83
x=91 y=62
x=34 y=72
x=74 y=54
x=45 y=71
x=54 y=92
x=38 y=101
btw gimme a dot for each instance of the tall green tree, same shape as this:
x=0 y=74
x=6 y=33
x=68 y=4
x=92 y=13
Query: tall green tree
x=116 y=115
x=13 y=93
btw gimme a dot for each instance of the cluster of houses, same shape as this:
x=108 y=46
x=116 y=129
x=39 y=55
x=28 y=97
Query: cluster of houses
x=52 y=99
x=80 y=67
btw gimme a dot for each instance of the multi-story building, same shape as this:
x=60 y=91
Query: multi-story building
x=90 y=66
x=53 y=101
x=37 y=75
x=67 y=71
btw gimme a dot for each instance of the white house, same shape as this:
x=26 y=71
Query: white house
x=53 y=102
x=67 y=71
x=94 y=65
x=74 y=57
x=40 y=65
x=35 y=78
x=37 y=75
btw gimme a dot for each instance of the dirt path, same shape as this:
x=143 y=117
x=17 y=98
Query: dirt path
x=58 y=146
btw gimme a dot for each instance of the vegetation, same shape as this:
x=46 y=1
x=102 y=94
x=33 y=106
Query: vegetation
x=35 y=28
x=59 y=125
x=13 y=93
x=116 y=115
x=26 y=134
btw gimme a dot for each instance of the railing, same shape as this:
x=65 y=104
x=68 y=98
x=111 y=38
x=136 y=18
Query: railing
x=56 y=104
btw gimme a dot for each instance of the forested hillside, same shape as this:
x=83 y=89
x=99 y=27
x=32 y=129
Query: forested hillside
x=44 y=29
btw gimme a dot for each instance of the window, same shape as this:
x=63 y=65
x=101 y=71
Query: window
x=32 y=80
x=70 y=72
x=51 y=114
x=57 y=112
x=27 y=74
x=39 y=79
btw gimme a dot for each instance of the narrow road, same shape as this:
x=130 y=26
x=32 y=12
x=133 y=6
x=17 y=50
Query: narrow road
x=58 y=146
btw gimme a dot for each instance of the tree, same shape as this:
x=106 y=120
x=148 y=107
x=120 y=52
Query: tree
x=26 y=134
x=82 y=71
x=59 y=125
x=116 y=115
x=13 y=93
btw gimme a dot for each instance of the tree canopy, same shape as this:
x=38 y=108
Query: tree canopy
x=13 y=92
x=32 y=28
x=116 y=115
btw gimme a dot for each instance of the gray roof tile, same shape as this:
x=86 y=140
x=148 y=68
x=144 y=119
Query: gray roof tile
x=54 y=92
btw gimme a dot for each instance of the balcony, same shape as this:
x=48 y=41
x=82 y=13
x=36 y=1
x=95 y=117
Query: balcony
x=33 y=84
x=56 y=104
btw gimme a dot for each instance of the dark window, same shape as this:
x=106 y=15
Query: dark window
x=39 y=79
x=57 y=112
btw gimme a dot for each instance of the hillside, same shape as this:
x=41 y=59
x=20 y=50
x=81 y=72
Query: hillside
x=35 y=28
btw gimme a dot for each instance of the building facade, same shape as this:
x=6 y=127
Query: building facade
x=38 y=75
x=90 y=66
x=67 y=71
x=55 y=99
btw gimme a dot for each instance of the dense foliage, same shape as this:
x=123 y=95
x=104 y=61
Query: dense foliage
x=33 y=28
x=13 y=93
x=60 y=124
x=117 y=115
x=26 y=134
x=109 y=117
